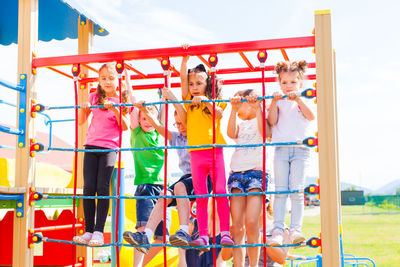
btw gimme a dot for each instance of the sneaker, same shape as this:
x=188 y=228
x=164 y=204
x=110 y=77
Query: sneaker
x=97 y=239
x=83 y=239
x=277 y=238
x=296 y=237
x=226 y=240
x=200 y=242
x=180 y=239
x=137 y=239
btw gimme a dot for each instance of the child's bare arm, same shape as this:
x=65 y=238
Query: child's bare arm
x=84 y=113
x=232 y=131
x=273 y=109
x=153 y=120
x=184 y=77
x=196 y=100
x=134 y=115
x=180 y=109
x=124 y=123
x=305 y=110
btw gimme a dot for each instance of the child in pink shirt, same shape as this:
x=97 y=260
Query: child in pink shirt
x=103 y=133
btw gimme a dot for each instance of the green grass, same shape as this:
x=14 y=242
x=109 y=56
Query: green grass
x=375 y=236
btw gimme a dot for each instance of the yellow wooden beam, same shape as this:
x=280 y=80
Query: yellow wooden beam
x=85 y=44
x=327 y=140
x=24 y=170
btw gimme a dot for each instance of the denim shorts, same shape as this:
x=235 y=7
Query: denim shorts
x=247 y=180
x=188 y=183
x=145 y=206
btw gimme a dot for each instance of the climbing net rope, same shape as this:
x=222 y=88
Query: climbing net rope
x=164 y=58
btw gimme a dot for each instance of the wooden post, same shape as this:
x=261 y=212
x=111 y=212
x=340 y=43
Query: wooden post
x=24 y=164
x=85 y=42
x=327 y=141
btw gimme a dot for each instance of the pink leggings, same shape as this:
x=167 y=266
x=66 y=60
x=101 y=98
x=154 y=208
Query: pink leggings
x=202 y=163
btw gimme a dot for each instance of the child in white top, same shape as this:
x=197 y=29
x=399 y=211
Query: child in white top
x=291 y=119
x=247 y=174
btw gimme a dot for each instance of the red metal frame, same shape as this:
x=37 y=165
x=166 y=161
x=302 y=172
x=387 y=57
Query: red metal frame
x=245 y=59
x=198 y=50
x=223 y=82
x=284 y=54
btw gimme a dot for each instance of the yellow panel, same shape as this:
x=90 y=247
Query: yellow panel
x=4 y=173
x=322 y=12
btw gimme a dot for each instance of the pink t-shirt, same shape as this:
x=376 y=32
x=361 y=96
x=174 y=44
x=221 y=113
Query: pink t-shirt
x=103 y=129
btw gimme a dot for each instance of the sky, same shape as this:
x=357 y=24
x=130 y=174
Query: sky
x=365 y=38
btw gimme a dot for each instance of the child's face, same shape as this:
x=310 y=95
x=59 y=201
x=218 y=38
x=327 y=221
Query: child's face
x=180 y=125
x=108 y=80
x=290 y=82
x=197 y=83
x=145 y=124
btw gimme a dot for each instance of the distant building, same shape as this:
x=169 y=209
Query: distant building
x=355 y=197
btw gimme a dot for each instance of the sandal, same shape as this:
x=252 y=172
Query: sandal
x=200 y=242
x=83 y=239
x=97 y=239
x=226 y=240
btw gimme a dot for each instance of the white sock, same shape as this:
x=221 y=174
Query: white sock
x=149 y=234
x=184 y=228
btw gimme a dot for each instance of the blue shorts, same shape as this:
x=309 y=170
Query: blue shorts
x=247 y=180
x=145 y=206
x=188 y=183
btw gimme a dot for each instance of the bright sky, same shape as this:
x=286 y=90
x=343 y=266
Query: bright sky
x=365 y=37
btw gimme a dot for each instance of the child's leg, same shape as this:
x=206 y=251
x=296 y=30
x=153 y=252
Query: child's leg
x=238 y=205
x=182 y=204
x=199 y=175
x=182 y=257
x=157 y=214
x=253 y=212
x=298 y=166
x=281 y=170
x=106 y=167
x=90 y=169
x=220 y=188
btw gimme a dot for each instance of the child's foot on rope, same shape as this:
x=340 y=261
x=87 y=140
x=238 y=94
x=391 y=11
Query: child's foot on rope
x=200 y=242
x=296 y=237
x=277 y=238
x=83 y=239
x=180 y=239
x=97 y=239
x=137 y=239
x=226 y=240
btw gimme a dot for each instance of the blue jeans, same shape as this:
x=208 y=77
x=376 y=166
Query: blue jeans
x=289 y=166
x=145 y=206
x=247 y=180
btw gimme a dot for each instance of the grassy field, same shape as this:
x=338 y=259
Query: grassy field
x=367 y=232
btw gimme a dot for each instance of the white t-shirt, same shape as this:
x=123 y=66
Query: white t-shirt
x=292 y=126
x=247 y=158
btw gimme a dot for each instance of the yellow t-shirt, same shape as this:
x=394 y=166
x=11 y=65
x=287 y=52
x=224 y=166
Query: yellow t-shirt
x=200 y=126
